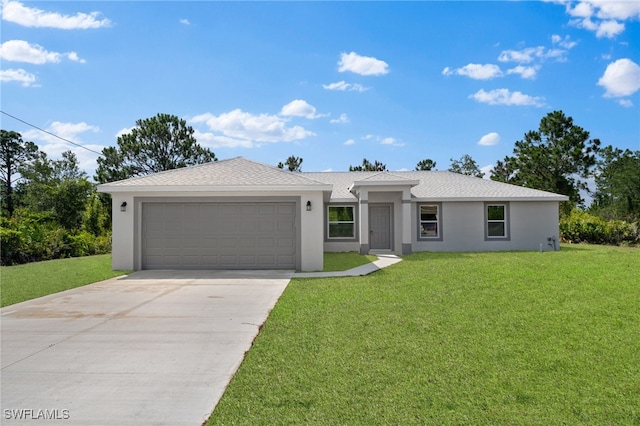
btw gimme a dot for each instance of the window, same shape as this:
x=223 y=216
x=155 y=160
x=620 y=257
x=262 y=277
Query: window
x=496 y=215
x=429 y=221
x=342 y=222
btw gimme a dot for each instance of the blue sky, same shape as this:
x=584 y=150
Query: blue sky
x=331 y=82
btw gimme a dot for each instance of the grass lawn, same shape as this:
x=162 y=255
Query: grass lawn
x=514 y=338
x=344 y=261
x=24 y=282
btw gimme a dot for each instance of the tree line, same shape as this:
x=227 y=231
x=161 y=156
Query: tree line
x=50 y=208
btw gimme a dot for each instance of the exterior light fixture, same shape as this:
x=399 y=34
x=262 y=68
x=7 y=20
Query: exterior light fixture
x=308 y=206
x=123 y=206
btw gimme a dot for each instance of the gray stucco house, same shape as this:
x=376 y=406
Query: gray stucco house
x=240 y=214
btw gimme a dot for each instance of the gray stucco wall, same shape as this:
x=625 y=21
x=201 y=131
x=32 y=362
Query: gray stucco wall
x=463 y=227
x=530 y=224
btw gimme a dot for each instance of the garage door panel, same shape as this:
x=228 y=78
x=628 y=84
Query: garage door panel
x=218 y=235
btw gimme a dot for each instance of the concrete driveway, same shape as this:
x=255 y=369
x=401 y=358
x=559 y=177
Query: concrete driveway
x=153 y=348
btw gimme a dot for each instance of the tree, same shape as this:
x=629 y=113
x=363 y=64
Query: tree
x=14 y=153
x=293 y=164
x=426 y=164
x=156 y=144
x=617 y=176
x=466 y=166
x=551 y=158
x=58 y=187
x=368 y=167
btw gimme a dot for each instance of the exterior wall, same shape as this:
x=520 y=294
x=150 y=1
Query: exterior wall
x=463 y=227
x=127 y=226
x=400 y=232
x=311 y=223
x=122 y=223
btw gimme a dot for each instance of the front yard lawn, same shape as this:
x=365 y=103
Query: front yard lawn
x=344 y=261
x=515 y=338
x=24 y=282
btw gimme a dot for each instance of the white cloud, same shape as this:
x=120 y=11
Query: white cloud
x=349 y=142
x=220 y=141
x=476 y=71
x=70 y=131
x=487 y=171
x=506 y=97
x=489 y=139
x=342 y=119
x=73 y=56
x=605 y=9
x=16 y=12
x=525 y=72
x=22 y=51
x=19 y=75
x=124 y=131
x=607 y=29
x=239 y=128
x=344 y=86
x=625 y=103
x=389 y=141
x=363 y=65
x=603 y=16
x=185 y=22
x=565 y=42
x=54 y=147
x=621 y=78
x=300 y=108
x=523 y=56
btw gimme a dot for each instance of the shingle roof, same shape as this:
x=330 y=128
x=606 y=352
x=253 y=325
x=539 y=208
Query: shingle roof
x=242 y=174
x=436 y=185
x=234 y=172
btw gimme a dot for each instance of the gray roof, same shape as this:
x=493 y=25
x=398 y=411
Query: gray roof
x=242 y=174
x=234 y=173
x=436 y=186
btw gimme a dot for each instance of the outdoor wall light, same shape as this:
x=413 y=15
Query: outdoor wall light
x=123 y=206
x=308 y=206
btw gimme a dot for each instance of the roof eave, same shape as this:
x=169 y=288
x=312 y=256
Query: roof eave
x=106 y=188
x=493 y=198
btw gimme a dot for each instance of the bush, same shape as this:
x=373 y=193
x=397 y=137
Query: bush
x=31 y=237
x=580 y=226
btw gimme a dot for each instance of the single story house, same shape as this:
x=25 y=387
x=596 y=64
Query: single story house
x=240 y=214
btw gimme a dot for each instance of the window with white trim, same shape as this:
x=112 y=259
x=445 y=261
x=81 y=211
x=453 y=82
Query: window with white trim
x=496 y=221
x=341 y=222
x=429 y=216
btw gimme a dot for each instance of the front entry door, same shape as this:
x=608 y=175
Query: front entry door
x=380 y=227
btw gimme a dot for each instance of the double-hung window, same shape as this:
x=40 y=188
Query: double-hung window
x=429 y=221
x=497 y=225
x=341 y=222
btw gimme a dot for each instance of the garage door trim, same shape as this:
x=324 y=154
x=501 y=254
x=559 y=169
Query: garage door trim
x=139 y=201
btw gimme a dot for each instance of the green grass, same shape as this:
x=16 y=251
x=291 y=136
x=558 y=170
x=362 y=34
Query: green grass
x=24 y=282
x=519 y=338
x=344 y=261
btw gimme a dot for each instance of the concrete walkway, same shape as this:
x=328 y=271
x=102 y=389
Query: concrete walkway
x=152 y=348
x=383 y=261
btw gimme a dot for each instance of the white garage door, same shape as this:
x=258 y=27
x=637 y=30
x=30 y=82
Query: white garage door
x=219 y=235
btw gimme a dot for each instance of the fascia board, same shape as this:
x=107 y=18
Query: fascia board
x=199 y=188
x=494 y=198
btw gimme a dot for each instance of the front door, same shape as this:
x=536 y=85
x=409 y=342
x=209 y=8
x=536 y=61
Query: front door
x=380 y=227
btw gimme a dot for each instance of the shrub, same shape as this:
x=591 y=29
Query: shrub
x=580 y=226
x=29 y=237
